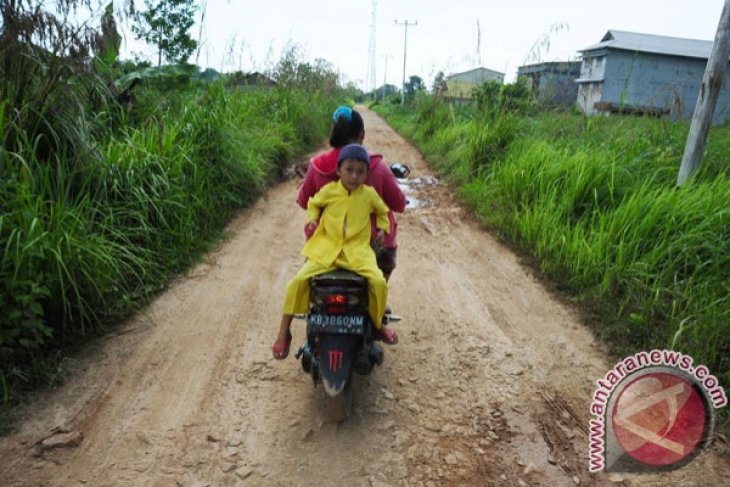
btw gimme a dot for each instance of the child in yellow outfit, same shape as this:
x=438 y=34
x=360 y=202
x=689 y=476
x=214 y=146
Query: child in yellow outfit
x=339 y=215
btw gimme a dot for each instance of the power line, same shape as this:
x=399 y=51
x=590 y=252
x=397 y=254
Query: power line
x=405 y=48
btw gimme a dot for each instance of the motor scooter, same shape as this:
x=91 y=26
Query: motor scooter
x=340 y=333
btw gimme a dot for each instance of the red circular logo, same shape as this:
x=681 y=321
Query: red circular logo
x=659 y=419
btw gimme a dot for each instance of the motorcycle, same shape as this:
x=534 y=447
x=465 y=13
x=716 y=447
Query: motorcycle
x=340 y=337
x=340 y=333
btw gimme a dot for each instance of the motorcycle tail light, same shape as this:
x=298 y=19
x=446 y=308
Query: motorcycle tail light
x=349 y=299
x=336 y=304
x=335 y=299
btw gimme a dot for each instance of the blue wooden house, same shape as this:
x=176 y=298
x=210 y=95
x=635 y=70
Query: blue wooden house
x=553 y=83
x=628 y=72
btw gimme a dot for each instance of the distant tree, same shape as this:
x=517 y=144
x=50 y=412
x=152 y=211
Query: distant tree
x=387 y=90
x=323 y=76
x=351 y=91
x=285 y=70
x=439 y=84
x=210 y=74
x=292 y=72
x=413 y=86
x=128 y=65
x=165 y=24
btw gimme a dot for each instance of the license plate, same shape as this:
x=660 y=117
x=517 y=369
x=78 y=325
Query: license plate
x=340 y=324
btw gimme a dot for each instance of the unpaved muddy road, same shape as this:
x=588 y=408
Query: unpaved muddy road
x=490 y=384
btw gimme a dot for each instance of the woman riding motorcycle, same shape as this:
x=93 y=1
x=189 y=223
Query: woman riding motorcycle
x=349 y=128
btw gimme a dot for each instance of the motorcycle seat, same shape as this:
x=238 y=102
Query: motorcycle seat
x=338 y=277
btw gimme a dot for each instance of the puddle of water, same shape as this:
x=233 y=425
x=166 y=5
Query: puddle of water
x=407 y=189
x=416 y=203
x=424 y=181
x=410 y=189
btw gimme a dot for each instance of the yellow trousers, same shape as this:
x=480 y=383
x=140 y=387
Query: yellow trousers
x=297 y=291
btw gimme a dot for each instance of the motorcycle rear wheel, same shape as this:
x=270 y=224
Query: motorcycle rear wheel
x=340 y=406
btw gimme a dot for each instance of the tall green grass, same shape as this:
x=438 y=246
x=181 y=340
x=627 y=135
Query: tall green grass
x=594 y=201
x=88 y=235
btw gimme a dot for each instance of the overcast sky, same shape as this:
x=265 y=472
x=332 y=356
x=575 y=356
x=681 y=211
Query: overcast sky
x=251 y=34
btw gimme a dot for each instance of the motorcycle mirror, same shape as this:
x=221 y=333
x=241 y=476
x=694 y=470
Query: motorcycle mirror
x=400 y=170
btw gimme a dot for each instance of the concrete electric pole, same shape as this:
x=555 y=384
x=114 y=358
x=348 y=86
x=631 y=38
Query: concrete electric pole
x=707 y=99
x=385 y=73
x=371 y=52
x=405 y=48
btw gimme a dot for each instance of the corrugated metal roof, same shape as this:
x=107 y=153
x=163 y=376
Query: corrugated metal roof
x=634 y=41
x=552 y=66
x=483 y=70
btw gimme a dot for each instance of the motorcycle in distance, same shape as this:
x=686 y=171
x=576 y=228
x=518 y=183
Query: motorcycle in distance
x=340 y=334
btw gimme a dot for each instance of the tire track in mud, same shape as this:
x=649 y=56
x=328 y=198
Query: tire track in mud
x=490 y=384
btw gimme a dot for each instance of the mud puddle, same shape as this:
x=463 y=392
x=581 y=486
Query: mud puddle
x=414 y=189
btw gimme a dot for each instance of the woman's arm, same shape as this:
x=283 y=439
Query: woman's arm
x=391 y=192
x=308 y=188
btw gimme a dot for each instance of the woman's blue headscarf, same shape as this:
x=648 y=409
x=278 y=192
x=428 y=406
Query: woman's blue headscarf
x=342 y=111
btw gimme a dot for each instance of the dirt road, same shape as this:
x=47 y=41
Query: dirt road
x=490 y=384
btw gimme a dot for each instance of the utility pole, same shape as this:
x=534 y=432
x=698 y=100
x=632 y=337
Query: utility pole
x=371 y=53
x=405 y=47
x=385 y=73
x=479 y=44
x=707 y=99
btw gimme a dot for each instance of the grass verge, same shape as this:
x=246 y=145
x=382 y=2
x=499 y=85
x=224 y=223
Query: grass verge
x=593 y=202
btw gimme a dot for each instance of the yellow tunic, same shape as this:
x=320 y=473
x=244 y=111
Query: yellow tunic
x=345 y=226
x=342 y=240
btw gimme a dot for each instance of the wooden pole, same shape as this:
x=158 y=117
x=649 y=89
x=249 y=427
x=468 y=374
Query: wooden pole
x=707 y=99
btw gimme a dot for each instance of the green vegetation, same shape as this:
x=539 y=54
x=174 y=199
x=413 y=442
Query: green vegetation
x=593 y=200
x=110 y=184
x=165 y=24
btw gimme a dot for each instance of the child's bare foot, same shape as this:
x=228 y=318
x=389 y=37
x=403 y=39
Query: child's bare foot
x=282 y=345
